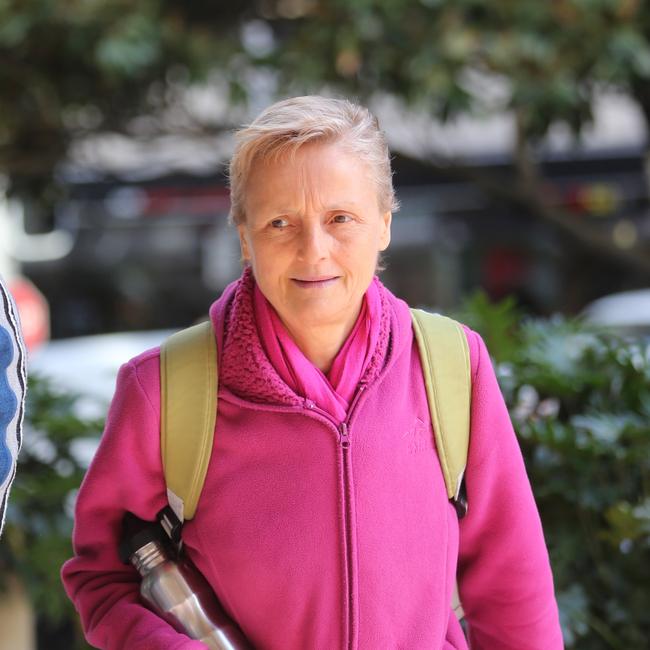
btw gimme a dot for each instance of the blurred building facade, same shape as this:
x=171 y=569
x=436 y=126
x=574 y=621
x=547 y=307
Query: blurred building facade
x=148 y=246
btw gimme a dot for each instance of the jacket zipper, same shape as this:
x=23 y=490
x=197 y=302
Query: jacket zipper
x=344 y=441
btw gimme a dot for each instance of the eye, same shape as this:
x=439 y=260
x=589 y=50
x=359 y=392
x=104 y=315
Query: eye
x=279 y=223
x=341 y=218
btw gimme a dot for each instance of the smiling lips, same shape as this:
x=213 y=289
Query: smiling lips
x=315 y=283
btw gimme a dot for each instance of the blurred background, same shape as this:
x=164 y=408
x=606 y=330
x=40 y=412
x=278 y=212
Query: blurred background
x=519 y=133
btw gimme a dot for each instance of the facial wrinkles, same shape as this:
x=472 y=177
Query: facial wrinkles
x=308 y=197
x=301 y=185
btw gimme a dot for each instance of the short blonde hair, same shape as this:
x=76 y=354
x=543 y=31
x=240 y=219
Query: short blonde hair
x=287 y=125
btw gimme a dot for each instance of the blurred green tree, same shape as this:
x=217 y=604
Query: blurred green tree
x=546 y=62
x=79 y=67
x=73 y=68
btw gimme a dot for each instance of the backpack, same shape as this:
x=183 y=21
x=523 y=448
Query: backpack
x=189 y=384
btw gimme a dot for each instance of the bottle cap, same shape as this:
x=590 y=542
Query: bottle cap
x=137 y=533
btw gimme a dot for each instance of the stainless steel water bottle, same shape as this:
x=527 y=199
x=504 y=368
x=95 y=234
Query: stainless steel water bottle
x=176 y=590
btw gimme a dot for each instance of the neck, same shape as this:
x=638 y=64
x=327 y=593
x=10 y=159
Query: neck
x=321 y=344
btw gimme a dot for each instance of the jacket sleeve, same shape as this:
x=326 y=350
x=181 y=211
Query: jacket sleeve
x=505 y=579
x=125 y=474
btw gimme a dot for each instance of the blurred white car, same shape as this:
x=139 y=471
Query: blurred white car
x=627 y=312
x=88 y=365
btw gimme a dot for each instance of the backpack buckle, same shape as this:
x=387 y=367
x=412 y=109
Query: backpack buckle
x=171 y=524
x=460 y=502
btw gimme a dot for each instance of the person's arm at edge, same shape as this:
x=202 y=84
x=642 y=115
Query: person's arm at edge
x=505 y=578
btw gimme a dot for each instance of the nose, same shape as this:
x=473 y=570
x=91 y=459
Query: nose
x=313 y=245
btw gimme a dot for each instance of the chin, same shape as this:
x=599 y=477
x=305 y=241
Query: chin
x=307 y=316
x=311 y=317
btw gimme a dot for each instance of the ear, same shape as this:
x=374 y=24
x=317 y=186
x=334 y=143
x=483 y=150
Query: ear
x=384 y=233
x=243 y=242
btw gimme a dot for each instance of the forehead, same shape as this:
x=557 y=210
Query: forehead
x=315 y=172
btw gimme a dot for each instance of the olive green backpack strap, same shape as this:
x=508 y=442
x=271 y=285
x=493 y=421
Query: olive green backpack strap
x=444 y=355
x=188 y=414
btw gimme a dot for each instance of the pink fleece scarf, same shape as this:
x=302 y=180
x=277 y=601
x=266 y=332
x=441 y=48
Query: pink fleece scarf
x=245 y=367
x=335 y=391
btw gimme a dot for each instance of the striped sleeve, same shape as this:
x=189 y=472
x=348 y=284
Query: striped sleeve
x=12 y=394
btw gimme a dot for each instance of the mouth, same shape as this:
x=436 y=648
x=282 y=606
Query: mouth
x=318 y=282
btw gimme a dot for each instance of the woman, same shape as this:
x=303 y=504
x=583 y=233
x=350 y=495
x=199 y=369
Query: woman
x=307 y=546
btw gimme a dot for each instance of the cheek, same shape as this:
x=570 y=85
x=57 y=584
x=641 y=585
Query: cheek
x=268 y=262
x=368 y=252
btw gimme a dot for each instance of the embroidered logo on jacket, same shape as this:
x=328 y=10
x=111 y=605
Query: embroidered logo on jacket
x=418 y=437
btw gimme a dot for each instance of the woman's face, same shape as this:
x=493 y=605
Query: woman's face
x=312 y=234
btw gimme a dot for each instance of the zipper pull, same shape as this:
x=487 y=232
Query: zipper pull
x=344 y=438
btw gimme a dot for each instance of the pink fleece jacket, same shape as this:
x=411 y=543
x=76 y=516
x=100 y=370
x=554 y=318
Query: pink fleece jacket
x=318 y=534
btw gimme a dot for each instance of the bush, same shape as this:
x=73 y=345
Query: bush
x=37 y=536
x=580 y=401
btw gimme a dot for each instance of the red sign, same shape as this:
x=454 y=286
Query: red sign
x=34 y=312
